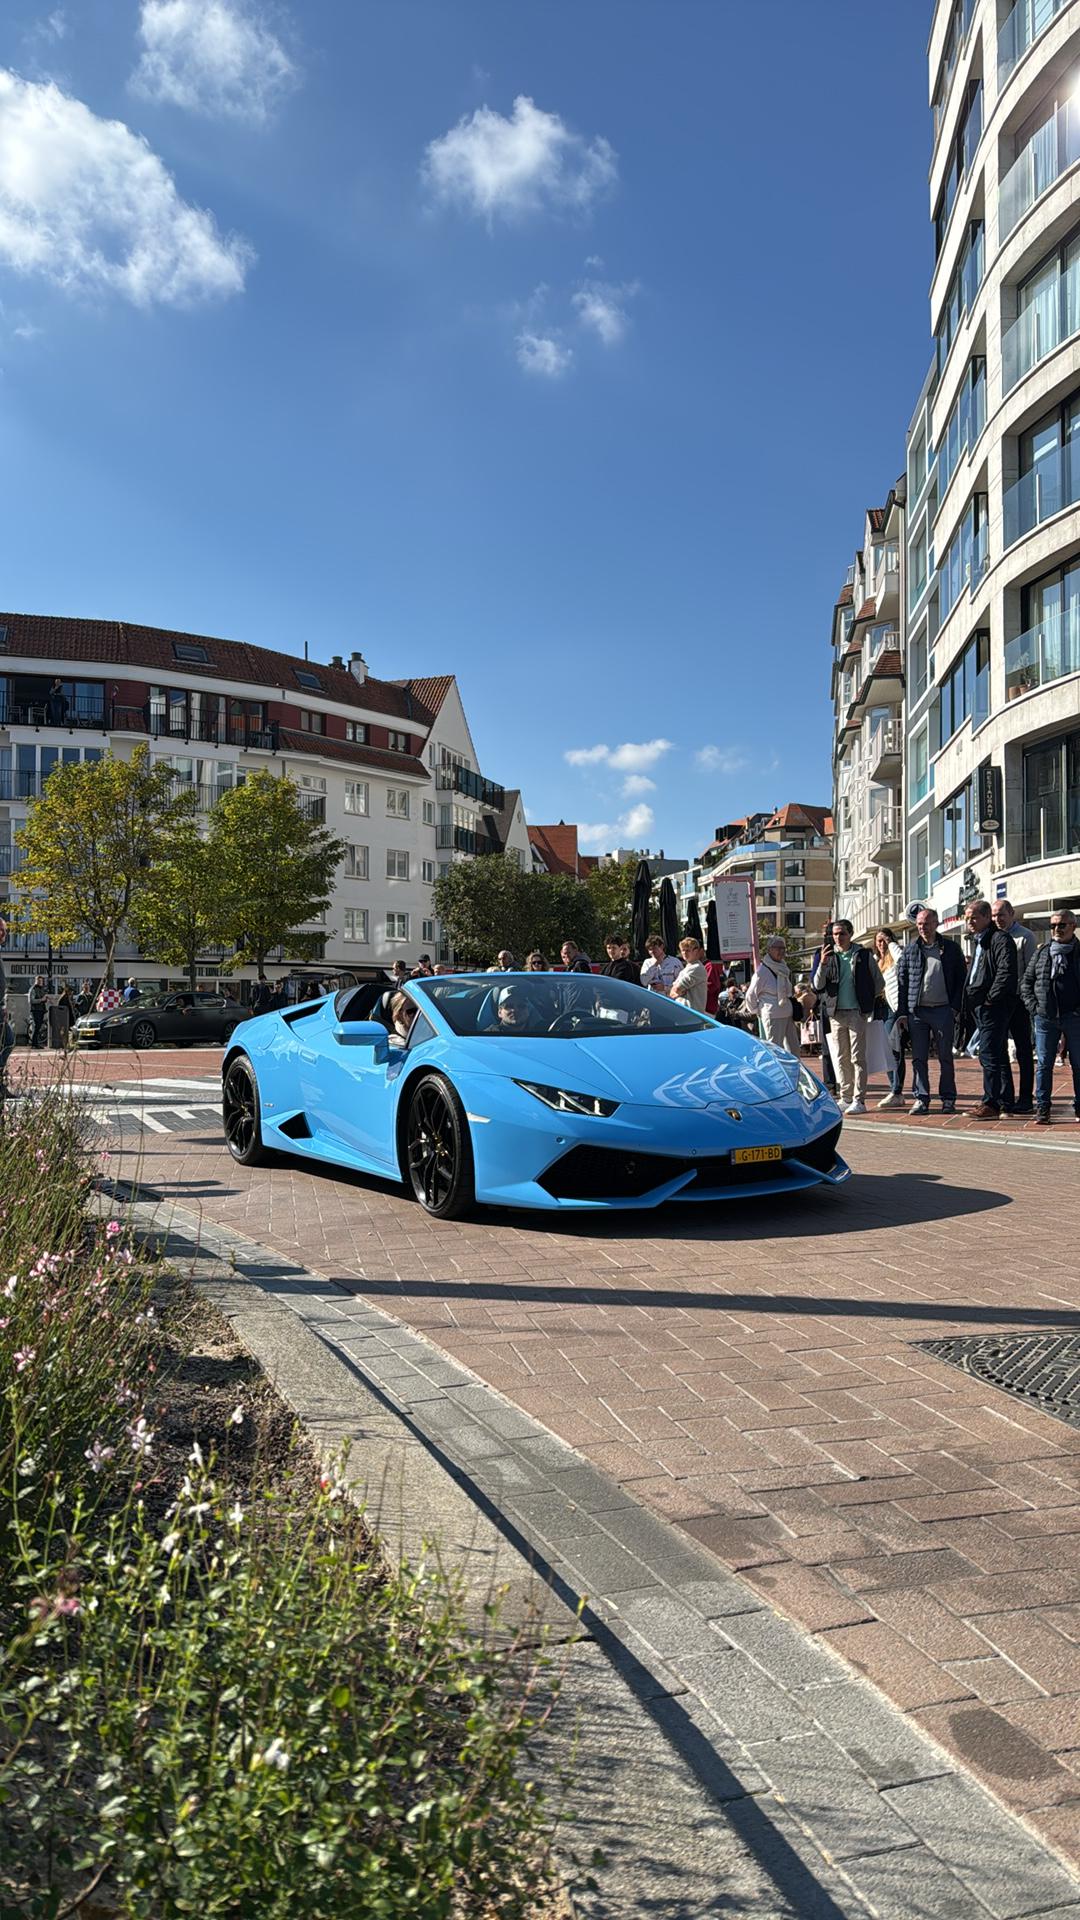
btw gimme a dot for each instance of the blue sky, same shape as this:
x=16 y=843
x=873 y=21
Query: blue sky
x=308 y=332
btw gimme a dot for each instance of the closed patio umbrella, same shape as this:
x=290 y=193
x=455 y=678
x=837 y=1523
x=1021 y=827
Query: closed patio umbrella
x=693 y=921
x=640 y=902
x=712 y=933
x=669 y=916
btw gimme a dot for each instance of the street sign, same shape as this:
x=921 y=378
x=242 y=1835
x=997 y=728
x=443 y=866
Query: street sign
x=735 y=921
x=1001 y=891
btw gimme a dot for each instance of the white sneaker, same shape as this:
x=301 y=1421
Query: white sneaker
x=892 y=1100
x=857 y=1106
x=921 y=1106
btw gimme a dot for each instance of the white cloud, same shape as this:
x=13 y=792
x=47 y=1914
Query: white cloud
x=636 y=784
x=213 y=57
x=87 y=204
x=489 y=165
x=604 y=835
x=720 y=759
x=602 y=309
x=586 y=756
x=632 y=757
x=539 y=353
x=26 y=330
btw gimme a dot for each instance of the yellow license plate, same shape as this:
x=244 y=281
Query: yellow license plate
x=747 y=1156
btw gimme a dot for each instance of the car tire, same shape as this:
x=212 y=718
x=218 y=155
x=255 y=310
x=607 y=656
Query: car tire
x=437 y=1150
x=228 y=1031
x=241 y=1115
x=143 y=1034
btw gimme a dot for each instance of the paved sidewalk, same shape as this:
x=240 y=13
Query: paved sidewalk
x=749 y=1373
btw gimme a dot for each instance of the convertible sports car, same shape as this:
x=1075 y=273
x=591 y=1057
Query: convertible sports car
x=528 y=1090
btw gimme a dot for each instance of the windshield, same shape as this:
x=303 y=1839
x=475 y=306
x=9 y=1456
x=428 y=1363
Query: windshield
x=553 y=1006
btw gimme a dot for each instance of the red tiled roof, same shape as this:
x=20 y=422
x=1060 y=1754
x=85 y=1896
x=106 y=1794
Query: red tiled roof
x=867 y=610
x=888 y=663
x=430 y=692
x=846 y=595
x=379 y=759
x=557 y=847
x=876 y=517
x=794 y=814
x=117 y=644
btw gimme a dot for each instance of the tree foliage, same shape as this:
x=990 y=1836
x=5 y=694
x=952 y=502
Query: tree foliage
x=276 y=867
x=611 y=889
x=491 y=903
x=183 y=908
x=91 y=844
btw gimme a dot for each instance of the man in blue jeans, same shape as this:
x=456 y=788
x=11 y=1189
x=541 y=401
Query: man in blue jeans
x=1051 y=993
x=990 y=992
x=930 y=987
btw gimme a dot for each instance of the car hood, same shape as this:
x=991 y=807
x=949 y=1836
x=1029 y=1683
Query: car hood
x=720 y=1067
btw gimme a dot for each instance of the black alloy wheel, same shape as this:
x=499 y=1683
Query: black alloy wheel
x=438 y=1151
x=240 y=1114
x=143 y=1033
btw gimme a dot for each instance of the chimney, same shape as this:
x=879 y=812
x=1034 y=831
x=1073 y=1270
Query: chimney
x=358 y=667
x=336 y=660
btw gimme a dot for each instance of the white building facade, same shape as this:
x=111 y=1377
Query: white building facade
x=868 y=727
x=388 y=765
x=992 y=564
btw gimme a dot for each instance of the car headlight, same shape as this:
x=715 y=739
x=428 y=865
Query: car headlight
x=562 y=1100
x=809 y=1087
x=117 y=1020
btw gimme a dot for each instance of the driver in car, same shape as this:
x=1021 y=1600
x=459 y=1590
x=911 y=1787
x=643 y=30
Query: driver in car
x=515 y=1013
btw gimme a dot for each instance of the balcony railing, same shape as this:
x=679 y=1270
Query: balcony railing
x=1046 y=652
x=886 y=741
x=16 y=785
x=884 y=829
x=1027 y=20
x=464 y=780
x=1052 y=485
x=51 y=713
x=247 y=732
x=1048 y=154
x=312 y=806
x=1052 y=317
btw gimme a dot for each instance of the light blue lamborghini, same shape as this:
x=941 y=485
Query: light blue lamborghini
x=528 y=1090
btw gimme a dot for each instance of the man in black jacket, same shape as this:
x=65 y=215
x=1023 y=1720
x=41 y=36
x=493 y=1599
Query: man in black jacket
x=930 y=989
x=1051 y=993
x=990 y=994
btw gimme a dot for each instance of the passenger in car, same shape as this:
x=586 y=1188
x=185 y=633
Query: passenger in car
x=403 y=1012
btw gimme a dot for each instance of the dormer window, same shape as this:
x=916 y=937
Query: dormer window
x=309 y=680
x=192 y=655
x=398 y=742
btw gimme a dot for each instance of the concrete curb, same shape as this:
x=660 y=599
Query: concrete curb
x=836 y=1805
x=917 y=1129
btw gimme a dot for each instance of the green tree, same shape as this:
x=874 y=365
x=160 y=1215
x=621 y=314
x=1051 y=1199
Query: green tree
x=275 y=865
x=182 y=909
x=490 y=903
x=90 y=846
x=610 y=888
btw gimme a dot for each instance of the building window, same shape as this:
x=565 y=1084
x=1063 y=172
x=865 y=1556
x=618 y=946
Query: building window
x=398 y=742
x=963 y=288
x=962 y=150
x=965 y=690
x=432 y=754
x=920 y=766
x=312 y=722
x=397 y=864
x=965 y=422
x=356 y=863
x=187 y=650
x=427 y=932
x=1049 y=646
x=765 y=897
x=919 y=666
x=356 y=925
x=794 y=896
x=397 y=926
x=356 y=796
x=796 y=921
x=965 y=562
x=305 y=678
x=356 y=730
x=794 y=869
x=959 y=840
x=920 y=863
x=766 y=871
x=429 y=813
x=428 y=867
x=1047 y=312
x=1049 y=471
x=397 y=802
x=1052 y=798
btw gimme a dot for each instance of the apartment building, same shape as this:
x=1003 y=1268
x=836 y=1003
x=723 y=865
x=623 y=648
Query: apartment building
x=787 y=853
x=868 y=726
x=992 y=589
x=389 y=765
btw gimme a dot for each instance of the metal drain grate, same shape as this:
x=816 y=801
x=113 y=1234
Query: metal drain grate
x=1041 y=1368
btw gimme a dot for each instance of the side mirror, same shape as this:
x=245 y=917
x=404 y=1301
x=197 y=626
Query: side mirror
x=364 y=1033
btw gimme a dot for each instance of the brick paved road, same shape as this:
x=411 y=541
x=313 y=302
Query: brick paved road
x=750 y=1373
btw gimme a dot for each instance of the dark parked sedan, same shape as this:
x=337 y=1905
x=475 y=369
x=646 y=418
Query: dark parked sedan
x=177 y=1019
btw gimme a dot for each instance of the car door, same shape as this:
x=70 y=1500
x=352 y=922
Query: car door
x=347 y=1088
x=205 y=1018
